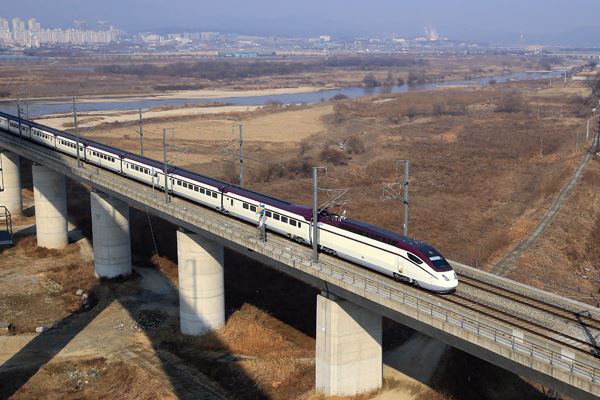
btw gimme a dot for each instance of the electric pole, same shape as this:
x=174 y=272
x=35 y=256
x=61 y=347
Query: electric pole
x=166 y=166
x=541 y=147
x=76 y=132
x=315 y=228
x=391 y=192
x=19 y=115
x=576 y=141
x=587 y=130
x=241 y=155
x=141 y=134
x=405 y=200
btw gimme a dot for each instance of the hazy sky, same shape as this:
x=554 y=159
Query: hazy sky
x=481 y=19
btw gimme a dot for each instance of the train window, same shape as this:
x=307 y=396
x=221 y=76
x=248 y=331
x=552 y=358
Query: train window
x=184 y=184
x=214 y=194
x=196 y=188
x=208 y=192
x=245 y=205
x=276 y=217
x=415 y=258
x=253 y=208
x=269 y=214
x=292 y=222
x=202 y=190
x=284 y=220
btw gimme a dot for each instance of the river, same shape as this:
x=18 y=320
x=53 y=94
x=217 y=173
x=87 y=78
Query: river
x=37 y=108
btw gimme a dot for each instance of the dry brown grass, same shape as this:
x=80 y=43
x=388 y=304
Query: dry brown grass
x=251 y=356
x=92 y=378
x=28 y=246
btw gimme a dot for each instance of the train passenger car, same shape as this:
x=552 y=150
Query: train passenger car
x=46 y=138
x=198 y=188
x=281 y=216
x=68 y=145
x=387 y=252
x=3 y=123
x=104 y=156
x=13 y=127
x=144 y=170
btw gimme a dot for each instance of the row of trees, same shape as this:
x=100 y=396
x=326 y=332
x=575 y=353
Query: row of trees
x=239 y=69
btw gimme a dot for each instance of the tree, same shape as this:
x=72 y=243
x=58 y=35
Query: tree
x=370 y=81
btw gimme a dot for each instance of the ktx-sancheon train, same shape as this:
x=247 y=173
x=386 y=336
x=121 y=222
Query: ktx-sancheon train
x=389 y=253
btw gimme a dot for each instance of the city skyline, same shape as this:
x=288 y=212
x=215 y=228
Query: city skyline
x=551 y=21
x=31 y=34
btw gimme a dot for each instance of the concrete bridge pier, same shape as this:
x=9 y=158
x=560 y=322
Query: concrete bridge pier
x=111 y=238
x=10 y=183
x=201 y=284
x=348 y=354
x=50 y=200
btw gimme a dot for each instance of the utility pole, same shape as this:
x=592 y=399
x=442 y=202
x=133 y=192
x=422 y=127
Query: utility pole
x=76 y=132
x=576 y=141
x=19 y=115
x=391 y=192
x=587 y=131
x=541 y=147
x=141 y=134
x=315 y=232
x=241 y=155
x=165 y=166
x=405 y=200
x=315 y=228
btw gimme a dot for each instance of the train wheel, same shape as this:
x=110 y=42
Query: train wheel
x=397 y=277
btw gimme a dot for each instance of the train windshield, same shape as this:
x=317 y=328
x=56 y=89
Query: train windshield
x=440 y=264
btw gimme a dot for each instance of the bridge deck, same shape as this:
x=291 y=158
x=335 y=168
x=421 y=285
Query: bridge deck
x=576 y=375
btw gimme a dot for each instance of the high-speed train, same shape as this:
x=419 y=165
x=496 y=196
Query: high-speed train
x=384 y=251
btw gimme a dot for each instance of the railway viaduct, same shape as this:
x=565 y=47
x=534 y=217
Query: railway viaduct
x=352 y=300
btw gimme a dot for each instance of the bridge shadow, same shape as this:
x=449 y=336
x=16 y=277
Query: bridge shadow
x=167 y=346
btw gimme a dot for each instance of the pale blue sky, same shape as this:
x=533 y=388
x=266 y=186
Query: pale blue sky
x=476 y=20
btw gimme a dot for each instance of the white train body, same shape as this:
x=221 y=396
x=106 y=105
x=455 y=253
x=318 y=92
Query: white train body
x=386 y=252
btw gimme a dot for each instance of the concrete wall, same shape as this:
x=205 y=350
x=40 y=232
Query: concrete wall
x=50 y=199
x=10 y=197
x=348 y=355
x=111 y=239
x=201 y=284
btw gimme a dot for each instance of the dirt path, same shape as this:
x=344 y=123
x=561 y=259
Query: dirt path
x=505 y=265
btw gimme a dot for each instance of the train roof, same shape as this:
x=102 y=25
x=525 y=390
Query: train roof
x=305 y=212
x=201 y=178
x=397 y=239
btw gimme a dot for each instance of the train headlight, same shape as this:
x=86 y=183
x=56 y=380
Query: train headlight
x=446 y=278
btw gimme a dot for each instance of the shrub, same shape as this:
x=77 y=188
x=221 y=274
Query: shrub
x=339 y=96
x=370 y=81
x=511 y=103
x=439 y=108
x=355 y=145
x=334 y=156
x=230 y=172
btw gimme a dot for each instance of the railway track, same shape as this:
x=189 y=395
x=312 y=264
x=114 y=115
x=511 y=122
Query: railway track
x=526 y=325
x=574 y=317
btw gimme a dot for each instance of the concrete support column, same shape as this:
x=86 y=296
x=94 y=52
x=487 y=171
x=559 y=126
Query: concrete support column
x=10 y=182
x=348 y=354
x=111 y=240
x=201 y=284
x=50 y=200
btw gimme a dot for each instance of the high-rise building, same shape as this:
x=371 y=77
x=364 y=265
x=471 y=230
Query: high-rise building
x=18 y=25
x=34 y=25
